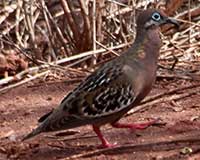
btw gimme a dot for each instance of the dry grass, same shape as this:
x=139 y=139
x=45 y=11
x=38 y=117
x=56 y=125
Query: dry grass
x=42 y=37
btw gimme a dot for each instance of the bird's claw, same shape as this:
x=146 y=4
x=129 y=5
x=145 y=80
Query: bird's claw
x=107 y=145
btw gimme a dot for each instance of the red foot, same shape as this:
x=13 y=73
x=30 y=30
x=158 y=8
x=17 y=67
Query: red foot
x=135 y=125
x=108 y=145
x=105 y=143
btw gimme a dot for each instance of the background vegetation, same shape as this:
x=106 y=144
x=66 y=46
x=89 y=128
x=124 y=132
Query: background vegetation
x=66 y=39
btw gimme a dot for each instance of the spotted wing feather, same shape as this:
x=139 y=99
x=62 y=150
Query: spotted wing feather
x=106 y=93
x=103 y=94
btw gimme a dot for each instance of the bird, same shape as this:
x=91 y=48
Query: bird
x=117 y=86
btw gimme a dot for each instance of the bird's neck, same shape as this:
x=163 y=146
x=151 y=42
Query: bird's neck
x=146 y=46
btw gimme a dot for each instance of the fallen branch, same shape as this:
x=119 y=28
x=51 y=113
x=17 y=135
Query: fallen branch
x=24 y=81
x=172 y=143
x=64 y=60
x=160 y=98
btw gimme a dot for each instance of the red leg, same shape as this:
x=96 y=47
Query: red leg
x=135 y=125
x=105 y=143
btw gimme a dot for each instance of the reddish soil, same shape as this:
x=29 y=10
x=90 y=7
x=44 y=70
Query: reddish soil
x=177 y=137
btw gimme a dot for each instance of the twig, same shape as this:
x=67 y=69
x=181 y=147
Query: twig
x=160 y=97
x=58 y=31
x=89 y=53
x=21 y=50
x=184 y=13
x=24 y=81
x=94 y=60
x=120 y=12
x=20 y=75
x=189 y=18
x=28 y=11
x=68 y=81
x=87 y=27
x=17 y=28
x=123 y=148
x=84 y=56
x=71 y=22
x=116 y=54
x=44 y=11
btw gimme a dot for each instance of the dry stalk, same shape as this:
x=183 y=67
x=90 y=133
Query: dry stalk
x=51 y=40
x=166 y=96
x=24 y=81
x=79 y=57
x=71 y=22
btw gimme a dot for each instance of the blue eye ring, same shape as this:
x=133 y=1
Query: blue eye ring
x=156 y=16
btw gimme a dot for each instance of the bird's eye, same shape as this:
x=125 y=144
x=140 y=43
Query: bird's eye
x=156 y=16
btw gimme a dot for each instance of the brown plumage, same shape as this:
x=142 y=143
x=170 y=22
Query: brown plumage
x=116 y=87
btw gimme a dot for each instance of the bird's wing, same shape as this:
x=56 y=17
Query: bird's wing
x=105 y=92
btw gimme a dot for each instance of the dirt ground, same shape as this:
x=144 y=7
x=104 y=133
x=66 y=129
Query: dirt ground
x=177 y=137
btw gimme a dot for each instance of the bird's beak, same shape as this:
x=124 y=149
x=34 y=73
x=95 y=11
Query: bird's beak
x=172 y=21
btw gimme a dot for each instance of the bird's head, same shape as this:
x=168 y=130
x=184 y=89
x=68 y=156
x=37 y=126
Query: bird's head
x=153 y=18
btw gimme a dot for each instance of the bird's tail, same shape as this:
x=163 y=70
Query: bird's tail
x=35 y=132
